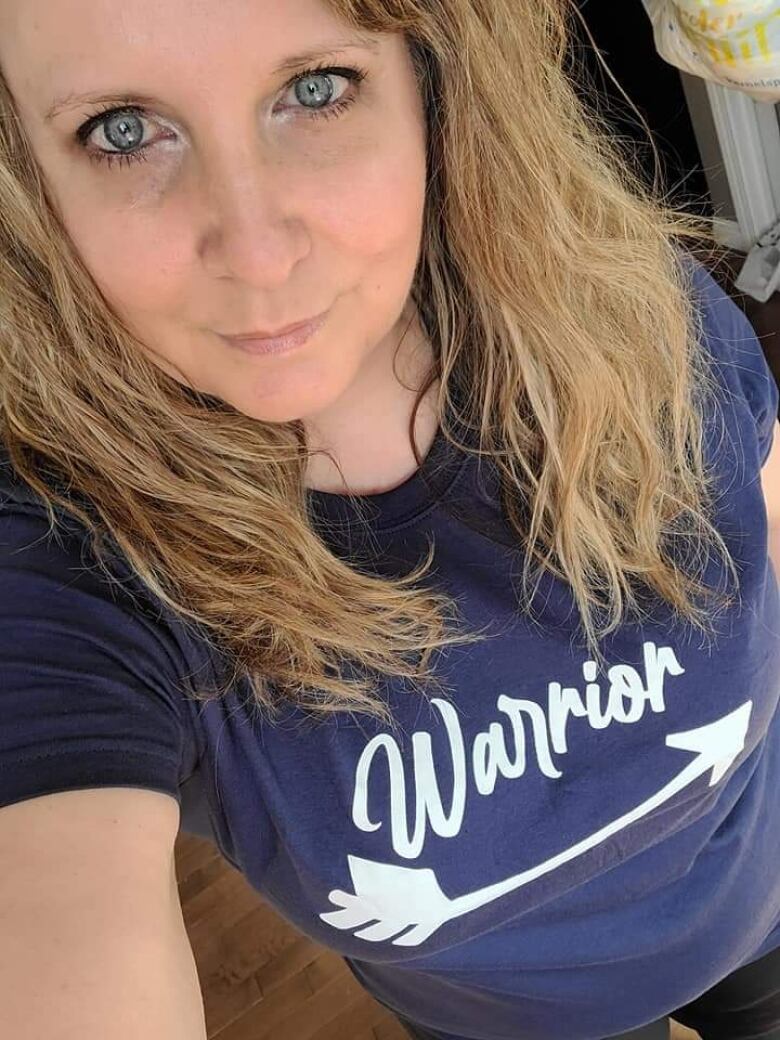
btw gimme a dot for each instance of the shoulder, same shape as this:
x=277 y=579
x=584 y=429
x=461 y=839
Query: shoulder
x=56 y=570
x=739 y=360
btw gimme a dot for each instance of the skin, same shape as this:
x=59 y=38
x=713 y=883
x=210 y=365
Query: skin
x=247 y=213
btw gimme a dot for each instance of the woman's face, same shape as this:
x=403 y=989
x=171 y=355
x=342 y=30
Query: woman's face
x=227 y=195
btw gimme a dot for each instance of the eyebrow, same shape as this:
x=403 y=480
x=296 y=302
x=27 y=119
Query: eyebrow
x=357 y=41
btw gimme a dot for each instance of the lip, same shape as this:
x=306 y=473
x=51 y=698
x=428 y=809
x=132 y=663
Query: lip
x=262 y=334
x=282 y=341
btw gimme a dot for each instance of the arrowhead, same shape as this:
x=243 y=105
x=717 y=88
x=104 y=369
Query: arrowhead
x=718 y=743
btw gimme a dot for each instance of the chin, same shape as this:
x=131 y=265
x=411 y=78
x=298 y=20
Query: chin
x=279 y=406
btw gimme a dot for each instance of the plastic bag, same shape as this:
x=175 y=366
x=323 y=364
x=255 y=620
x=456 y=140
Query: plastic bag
x=732 y=42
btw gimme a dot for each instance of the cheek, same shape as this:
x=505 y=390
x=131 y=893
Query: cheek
x=373 y=208
x=133 y=260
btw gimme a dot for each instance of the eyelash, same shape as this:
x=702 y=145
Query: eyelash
x=354 y=75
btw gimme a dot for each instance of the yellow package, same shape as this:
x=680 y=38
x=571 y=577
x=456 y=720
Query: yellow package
x=732 y=42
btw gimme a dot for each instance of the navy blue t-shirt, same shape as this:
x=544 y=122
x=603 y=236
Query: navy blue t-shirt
x=503 y=861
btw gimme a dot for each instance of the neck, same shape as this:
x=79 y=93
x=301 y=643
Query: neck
x=367 y=430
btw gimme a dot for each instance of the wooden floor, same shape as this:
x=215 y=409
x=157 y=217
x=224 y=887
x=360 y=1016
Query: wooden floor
x=261 y=978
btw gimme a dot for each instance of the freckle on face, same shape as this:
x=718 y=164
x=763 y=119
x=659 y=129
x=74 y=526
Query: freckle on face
x=246 y=213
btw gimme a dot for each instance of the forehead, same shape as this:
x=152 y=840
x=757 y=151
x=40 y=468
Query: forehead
x=45 y=45
x=148 y=22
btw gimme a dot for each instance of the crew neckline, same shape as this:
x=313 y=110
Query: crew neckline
x=441 y=468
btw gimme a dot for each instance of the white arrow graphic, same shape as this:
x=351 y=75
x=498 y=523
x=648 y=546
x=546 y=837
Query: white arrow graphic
x=400 y=898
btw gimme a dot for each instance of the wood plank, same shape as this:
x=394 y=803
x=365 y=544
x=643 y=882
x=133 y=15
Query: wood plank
x=200 y=877
x=309 y=1014
x=192 y=852
x=390 y=1029
x=246 y=946
x=266 y=1017
x=294 y=958
x=223 y=904
x=225 y=1005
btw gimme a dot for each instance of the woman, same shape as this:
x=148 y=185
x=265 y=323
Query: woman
x=549 y=813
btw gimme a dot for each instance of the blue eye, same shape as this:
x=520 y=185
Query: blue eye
x=123 y=128
x=325 y=75
x=120 y=126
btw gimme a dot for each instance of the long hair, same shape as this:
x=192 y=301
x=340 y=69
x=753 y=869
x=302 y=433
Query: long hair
x=551 y=286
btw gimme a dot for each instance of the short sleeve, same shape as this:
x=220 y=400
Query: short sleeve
x=742 y=366
x=88 y=686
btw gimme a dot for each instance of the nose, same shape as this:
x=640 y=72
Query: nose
x=254 y=232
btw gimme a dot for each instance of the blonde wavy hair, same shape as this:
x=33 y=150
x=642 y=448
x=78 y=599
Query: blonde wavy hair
x=550 y=284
